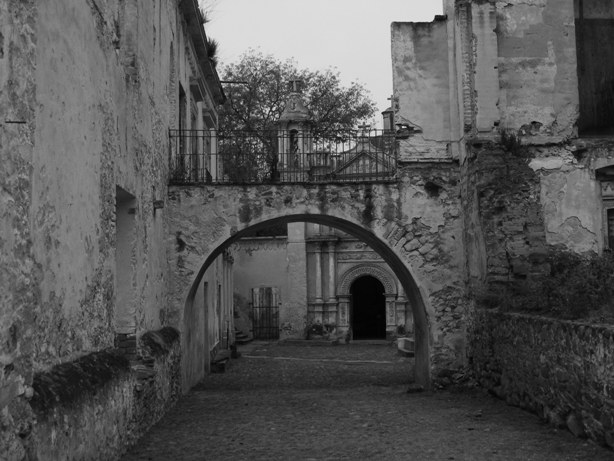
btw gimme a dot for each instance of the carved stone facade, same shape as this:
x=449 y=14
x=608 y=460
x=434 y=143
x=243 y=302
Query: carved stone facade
x=324 y=271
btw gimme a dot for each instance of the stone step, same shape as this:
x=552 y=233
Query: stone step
x=220 y=361
x=221 y=355
x=310 y=342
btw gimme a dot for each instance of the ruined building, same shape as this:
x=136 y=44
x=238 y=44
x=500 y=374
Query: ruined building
x=88 y=93
x=119 y=212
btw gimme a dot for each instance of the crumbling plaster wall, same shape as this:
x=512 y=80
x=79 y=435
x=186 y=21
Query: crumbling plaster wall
x=97 y=127
x=94 y=105
x=19 y=274
x=421 y=79
x=537 y=68
x=571 y=200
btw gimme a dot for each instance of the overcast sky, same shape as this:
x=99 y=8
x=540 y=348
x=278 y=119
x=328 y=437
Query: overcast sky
x=351 y=35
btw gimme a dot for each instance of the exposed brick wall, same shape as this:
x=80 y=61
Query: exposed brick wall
x=561 y=370
x=503 y=210
x=126 y=344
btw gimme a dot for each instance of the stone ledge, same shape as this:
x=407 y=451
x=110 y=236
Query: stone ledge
x=563 y=370
x=66 y=383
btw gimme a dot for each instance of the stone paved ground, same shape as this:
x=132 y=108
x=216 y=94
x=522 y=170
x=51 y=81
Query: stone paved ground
x=283 y=402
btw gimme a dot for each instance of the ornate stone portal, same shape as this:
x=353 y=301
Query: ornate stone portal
x=335 y=261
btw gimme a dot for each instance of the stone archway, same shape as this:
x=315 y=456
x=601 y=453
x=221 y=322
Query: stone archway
x=347 y=278
x=417 y=236
x=390 y=292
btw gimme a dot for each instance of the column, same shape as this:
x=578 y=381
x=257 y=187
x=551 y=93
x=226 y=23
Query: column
x=332 y=273
x=318 y=304
x=391 y=320
x=215 y=165
x=343 y=311
x=401 y=304
x=318 y=271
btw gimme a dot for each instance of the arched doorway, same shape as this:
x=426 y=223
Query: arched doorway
x=368 y=316
x=380 y=245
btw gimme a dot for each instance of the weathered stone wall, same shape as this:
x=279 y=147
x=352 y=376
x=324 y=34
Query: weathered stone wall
x=571 y=195
x=421 y=79
x=520 y=202
x=562 y=370
x=92 y=86
x=96 y=406
x=208 y=320
x=414 y=224
x=19 y=272
x=537 y=68
x=504 y=228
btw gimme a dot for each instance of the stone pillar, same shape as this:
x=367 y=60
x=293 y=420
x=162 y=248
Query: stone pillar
x=391 y=317
x=215 y=165
x=318 y=273
x=292 y=316
x=401 y=308
x=332 y=271
x=343 y=311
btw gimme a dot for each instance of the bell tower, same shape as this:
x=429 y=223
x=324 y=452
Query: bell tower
x=295 y=137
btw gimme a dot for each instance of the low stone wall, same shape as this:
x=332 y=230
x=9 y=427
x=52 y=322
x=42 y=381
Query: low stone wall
x=561 y=370
x=97 y=406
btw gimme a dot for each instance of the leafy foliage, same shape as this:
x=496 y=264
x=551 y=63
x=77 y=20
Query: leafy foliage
x=512 y=143
x=578 y=286
x=259 y=104
x=212 y=50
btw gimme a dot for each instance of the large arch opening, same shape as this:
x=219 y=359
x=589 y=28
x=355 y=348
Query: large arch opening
x=368 y=312
x=400 y=269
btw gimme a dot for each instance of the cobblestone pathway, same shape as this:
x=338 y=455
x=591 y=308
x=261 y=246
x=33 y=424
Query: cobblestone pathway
x=281 y=402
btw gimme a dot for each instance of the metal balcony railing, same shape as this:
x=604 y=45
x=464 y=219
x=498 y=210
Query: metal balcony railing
x=240 y=157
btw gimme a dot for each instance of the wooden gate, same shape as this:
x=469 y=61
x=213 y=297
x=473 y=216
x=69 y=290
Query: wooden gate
x=265 y=312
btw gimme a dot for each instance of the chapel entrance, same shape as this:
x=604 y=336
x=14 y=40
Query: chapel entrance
x=368 y=308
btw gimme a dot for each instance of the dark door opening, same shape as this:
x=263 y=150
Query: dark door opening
x=594 y=26
x=368 y=308
x=265 y=312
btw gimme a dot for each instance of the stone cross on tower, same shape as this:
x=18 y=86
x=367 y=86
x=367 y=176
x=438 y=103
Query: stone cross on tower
x=365 y=128
x=394 y=102
x=295 y=85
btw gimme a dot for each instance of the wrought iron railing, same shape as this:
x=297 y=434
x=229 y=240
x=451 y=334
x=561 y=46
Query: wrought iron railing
x=239 y=157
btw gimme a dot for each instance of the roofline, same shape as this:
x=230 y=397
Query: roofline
x=191 y=13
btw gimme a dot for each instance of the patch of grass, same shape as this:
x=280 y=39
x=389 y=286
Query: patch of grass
x=212 y=50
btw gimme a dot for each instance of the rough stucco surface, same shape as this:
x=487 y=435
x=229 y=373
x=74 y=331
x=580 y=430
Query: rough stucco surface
x=561 y=370
x=537 y=66
x=421 y=79
x=112 y=141
x=19 y=274
x=422 y=229
x=91 y=123
x=103 y=423
x=571 y=209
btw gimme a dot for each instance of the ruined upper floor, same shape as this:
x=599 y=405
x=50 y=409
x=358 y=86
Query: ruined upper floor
x=538 y=68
